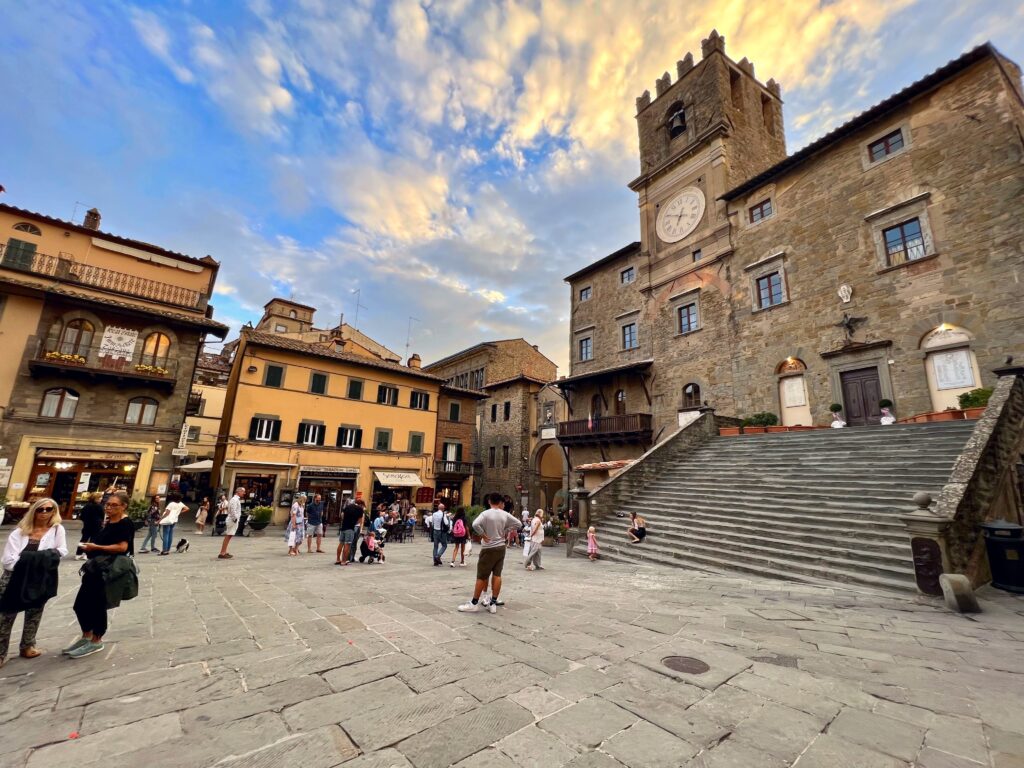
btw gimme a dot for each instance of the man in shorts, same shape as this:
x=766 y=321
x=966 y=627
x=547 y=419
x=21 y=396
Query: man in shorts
x=315 y=524
x=492 y=525
x=231 y=524
x=351 y=520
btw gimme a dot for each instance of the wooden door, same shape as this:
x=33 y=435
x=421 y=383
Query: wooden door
x=861 y=392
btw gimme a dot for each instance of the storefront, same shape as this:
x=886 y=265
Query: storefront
x=263 y=483
x=68 y=476
x=336 y=485
x=450 y=492
x=391 y=485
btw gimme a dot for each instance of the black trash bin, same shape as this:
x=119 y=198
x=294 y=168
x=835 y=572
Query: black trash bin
x=1004 y=542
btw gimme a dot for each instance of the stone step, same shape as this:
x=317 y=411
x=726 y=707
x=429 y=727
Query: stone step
x=743 y=507
x=796 y=497
x=793 y=526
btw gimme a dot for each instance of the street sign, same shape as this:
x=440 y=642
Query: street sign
x=179 y=452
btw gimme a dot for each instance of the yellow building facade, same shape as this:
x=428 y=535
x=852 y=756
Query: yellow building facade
x=301 y=416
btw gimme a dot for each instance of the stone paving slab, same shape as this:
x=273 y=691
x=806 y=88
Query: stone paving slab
x=588 y=723
x=462 y=736
x=322 y=748
x=647 y=745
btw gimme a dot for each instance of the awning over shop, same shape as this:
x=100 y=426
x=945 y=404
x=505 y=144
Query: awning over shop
x=395 y=479
x=66 y=455
x=198 y=466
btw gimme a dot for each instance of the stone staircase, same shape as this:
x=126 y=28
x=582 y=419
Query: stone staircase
x=816 y=506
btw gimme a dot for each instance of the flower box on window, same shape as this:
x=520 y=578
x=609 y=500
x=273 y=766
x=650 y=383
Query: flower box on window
x=67 y=359
x=151 y=370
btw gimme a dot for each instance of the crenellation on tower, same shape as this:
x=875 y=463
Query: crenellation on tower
x=643 y=101
x=663 y=84
x=683 y=66
x=710 y=44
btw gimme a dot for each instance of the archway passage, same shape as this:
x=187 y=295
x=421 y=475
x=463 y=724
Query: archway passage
x=550 y=476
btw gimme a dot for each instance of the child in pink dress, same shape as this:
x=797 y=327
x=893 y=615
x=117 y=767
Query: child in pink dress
x=592 y=543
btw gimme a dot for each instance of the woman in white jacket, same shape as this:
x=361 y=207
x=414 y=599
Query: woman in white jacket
x=39 y=530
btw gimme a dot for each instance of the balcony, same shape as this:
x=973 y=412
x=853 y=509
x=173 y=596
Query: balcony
x=627 y=428
x=194 y=403
x=51 y=357
x=456 y=468
x=66 y=269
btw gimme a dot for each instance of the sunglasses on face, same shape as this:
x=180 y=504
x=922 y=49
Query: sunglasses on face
x=45 y=510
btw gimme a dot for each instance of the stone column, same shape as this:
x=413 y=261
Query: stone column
x=929 y=544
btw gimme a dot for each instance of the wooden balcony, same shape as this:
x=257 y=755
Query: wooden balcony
x=459 y=469
x=66 y=269
x=80 y=361
x=194 y=403
x=627 y=428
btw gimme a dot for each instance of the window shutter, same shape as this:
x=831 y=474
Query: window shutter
x=275 y=430
x=320 y=434
x=338 y=442
x=458 y=452
x=301 y=433
x=254 y=424
x=359 y=438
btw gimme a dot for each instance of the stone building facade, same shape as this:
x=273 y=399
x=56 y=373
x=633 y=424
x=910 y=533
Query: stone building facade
x=101 y=335
x=881 y=261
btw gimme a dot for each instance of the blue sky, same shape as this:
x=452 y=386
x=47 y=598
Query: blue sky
x=451 y=160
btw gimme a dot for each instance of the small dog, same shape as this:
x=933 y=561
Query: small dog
x=182 y=546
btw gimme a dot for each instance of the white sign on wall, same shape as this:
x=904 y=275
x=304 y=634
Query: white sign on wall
x=183 y=437
x=953 y=370
x=118 y=343
x=793 y=395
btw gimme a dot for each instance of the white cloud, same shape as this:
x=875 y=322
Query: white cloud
x=158 y=40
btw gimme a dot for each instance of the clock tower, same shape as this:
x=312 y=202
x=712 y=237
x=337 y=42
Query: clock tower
x=713 y=128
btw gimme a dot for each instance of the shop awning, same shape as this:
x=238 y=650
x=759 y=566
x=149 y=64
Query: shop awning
x=60 y=453
x=197 y=466
x=395 y=479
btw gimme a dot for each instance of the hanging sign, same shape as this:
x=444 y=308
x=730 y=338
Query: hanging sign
x=118 y=343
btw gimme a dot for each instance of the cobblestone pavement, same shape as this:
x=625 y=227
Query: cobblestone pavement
x=267 y=660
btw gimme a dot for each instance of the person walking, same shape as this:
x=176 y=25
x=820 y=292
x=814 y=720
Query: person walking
x=296 y=529
x=152 y=540
x=492 y=525
x=29 y=577
x=592 y=543
x=172 y=511
x=92 y=519
x=351 y=519
x=439 y=533
x=315 y=524
x=459 y=535
x=202 y=514
x=116 y=538
x=231 y=524
x=534 y=542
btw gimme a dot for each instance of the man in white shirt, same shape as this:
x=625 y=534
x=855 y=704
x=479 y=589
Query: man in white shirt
x=231 y=526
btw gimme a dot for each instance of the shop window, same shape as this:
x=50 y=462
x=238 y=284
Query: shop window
x=76 y=338
x=387 y=395
x=490 y=456
x=508 y=410
x=620 y=403
x=141 y=410
x=264 y=429
x=415 y=442
x=504 y=456
x=318 y=383
x=691 y=396
x=382 y=440
x=310 y=434
x=419 y=401
x=355 y=389
x=454 y=411
x=59 y=404
x=350 y=437
x=273 y=376
x=155 y=349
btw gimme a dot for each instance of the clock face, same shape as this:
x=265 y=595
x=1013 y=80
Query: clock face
x=679 y=216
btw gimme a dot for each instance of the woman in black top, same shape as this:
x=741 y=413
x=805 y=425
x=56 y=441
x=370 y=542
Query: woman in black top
x=92 y=520
x=117 y=537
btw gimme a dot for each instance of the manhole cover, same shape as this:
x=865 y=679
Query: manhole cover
x=687 y=664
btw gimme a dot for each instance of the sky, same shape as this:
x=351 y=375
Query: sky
x=450 y=161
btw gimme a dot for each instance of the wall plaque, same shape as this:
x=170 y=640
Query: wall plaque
x=793 y=395
x=953 y=370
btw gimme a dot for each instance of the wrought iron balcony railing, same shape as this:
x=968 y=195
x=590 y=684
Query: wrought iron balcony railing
x=464 y=468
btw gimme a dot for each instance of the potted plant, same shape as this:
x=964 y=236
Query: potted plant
x=837 y=419
x=138 y=510
x=259 y=517
x=471 y=514
x=974 y=402
x=729 y=431
x=759 y=423
x=885 y=405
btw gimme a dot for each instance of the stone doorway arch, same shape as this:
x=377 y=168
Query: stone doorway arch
x=550 y=472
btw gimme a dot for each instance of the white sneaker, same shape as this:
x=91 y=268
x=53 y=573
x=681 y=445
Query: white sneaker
x=492 y=608
x=469 y=607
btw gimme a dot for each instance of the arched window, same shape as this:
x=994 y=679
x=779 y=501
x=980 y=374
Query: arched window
x=620 y=403
x=155 y=349
x=675 y=120
x=595 y=406
x=76 y=338
x=141 y=410
x=59 y=404
x=691 y=396
x=30 y=229
x=292 y=314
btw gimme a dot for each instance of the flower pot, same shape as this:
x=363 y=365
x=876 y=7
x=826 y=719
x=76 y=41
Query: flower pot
x=259 y=526
x=943 y=416
x=754 y=430
x=729 y=431
x=974 y=413
x=800 y=428
x=778 y=429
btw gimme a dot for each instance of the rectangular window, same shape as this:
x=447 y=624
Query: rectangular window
x=318 y=383
x=586 y=349
x=355 y=389
x=886 y=145
x=387 y=395
x=760 y=211
x=627 y=276
x=494 y=412
x=193 y=434
x=280 y=328
x=490 y=456
x=504 y=455
x=688 y=318
x=420 y=401
x=508 y=410
x=382 y=440
x=350 y=437
x=478 y=378
x=698 y=255
x=452 y=453
x=629 y=339
x=310 y=434
x=585 y=293
x=415 y=442
x=454 y=411
x=264 y=429
x=273 y=376
x=769 y=290
x=19 y=254
x=904 y=242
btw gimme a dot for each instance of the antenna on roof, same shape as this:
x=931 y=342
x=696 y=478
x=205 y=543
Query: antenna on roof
x=357 y=292
x=74 y=212
x=408 y=335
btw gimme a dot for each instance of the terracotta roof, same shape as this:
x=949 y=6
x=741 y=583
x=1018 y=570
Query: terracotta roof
x=521 y=376
x=321 y=350
x=638 y=365
x=882 y=108
x=205 y=261
x=602 y=261
x=290 y=303
x=482 y=345
x=475 y=394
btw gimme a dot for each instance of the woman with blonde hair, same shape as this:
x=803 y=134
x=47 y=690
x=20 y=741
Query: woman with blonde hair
x=29 y=577
x=535 y=542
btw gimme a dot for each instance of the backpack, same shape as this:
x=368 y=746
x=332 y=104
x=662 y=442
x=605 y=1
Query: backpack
x=460 y=528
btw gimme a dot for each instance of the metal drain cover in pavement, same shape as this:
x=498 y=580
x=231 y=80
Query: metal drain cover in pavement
x=685 y=664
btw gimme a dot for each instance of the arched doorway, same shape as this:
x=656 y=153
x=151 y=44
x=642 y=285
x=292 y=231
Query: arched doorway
x=794 y=405
x=950 y=365
x=550 y=469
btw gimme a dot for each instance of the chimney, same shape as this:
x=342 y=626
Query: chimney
x=92 y=219
x=414 y=361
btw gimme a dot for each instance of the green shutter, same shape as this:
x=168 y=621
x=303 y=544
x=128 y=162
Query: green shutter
x=320 y=430
x=458 y=452
x=254 y=424
x=275 y=430
x=359 y=438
